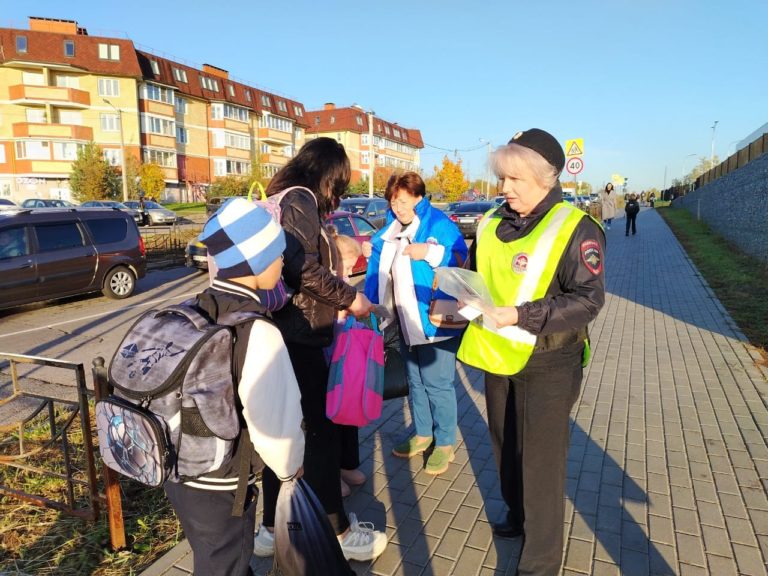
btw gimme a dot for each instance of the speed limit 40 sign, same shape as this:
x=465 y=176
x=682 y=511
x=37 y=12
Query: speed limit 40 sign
x=574 y=165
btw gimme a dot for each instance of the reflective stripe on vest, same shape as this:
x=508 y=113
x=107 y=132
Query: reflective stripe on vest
x=515 y=272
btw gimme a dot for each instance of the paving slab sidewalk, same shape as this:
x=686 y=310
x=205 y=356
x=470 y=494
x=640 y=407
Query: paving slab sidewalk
x=668 y=464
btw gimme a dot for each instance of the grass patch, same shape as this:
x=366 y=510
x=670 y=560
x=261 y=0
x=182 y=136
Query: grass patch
x=186 y=208
x=45 y=542
x=738 y=280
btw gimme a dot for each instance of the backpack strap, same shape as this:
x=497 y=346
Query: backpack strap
x=246 y=450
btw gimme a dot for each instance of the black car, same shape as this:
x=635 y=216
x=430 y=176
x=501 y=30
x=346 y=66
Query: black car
x=48 y=253
x=468 y=214
x=374 y=209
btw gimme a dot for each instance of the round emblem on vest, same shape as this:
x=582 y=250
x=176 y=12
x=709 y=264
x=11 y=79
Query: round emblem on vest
x=520 y=263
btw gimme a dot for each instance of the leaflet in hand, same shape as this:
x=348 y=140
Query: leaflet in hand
x=468 y=288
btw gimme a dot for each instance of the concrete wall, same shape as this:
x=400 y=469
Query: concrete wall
x=736 y=206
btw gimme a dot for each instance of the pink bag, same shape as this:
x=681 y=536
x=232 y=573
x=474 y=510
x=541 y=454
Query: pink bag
x=356 y=376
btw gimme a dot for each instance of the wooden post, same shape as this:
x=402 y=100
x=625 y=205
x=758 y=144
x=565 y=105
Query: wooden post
x=111 y=483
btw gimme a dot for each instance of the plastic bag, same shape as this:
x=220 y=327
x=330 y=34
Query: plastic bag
x=305 y=544
x=466 y=286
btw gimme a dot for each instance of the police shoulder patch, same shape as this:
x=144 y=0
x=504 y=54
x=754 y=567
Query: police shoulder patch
x=591 y=256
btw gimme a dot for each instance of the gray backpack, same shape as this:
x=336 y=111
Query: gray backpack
x=172 y=415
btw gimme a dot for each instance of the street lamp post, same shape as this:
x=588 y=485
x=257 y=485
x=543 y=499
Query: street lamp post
x=712 y=152
x=372 y=155
x=122 y=148
x=487 y=169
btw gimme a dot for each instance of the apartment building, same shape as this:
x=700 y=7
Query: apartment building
x=61 y=88
x=393 y=146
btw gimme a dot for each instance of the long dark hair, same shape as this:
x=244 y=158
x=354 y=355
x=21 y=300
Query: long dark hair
x=606 y=188
x=320 y=165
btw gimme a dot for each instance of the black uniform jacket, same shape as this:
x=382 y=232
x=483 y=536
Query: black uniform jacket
x=309 y=258
x=577 y=292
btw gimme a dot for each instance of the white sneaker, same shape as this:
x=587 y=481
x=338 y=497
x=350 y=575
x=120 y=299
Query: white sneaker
x=264 y=543
x=362 y=542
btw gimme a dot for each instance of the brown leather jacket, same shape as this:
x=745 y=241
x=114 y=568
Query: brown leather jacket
x=310 y=256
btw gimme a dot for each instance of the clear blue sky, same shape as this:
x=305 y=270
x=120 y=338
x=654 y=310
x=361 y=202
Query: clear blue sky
x=642 y=81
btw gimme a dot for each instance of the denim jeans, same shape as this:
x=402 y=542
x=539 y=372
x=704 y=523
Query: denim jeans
x=431 y=370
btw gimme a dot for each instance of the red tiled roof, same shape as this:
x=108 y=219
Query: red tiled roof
x=192 y=87
x=48 y=48
x=346 y=119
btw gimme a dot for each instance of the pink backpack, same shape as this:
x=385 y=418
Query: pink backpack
x=356 y=377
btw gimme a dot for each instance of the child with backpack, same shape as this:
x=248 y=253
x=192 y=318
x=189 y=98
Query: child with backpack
x=247 y=246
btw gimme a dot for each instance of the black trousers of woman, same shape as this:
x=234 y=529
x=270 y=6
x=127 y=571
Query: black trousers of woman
x=322 y=449
x=529 y=427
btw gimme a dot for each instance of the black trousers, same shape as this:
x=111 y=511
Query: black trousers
x=322 y=447
x=529 y=428
x=222 y=544
x=631 y=220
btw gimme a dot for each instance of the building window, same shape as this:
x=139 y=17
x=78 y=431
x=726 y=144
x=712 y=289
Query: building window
x=298 y=111
x=180 y=75
x=109 y=87
x=155 y=67
x=386 y=130
x=219 y=167
x=238 y=167
x=67 y=81
x=364 y=139
x=396 y=132
x=32 y=78
x=181 y=105
x=112 y=156
x=33 y=150
x=281 y=106
x=21 y=44
x=317 y=120
x=359 y=120
x=364 y=157
x=66 y=150
x=265 y=101
x=275 y=123
x=2 y=156
x=110 y=123
x=248 y=95
x=36 y=115
x=109 y=51
x=160 y=157
x=157 y=125
x=69 y=48
x=158 y=94
x=234 y=112
x=209 y=83
x=74 y=117
x=297 y=134
x=333 y=119
x=182 y=135
x=265 y=148
x=237 y=141
x=231 y=90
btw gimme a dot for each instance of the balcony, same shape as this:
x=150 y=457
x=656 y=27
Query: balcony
x=57 y=131
x=60 y=97
x=275 y=159
x=268 y=135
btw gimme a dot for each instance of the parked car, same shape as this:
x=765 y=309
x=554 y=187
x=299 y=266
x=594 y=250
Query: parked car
x=7 y=204
x=469 y=214
x=499 y=200
x=47 y=203
x=154 y=213
x=358 y=227
x=570 y=198
x=453 y=205
x=374 y=209
x=135 y=214
x=50 y=253
x=215 y=203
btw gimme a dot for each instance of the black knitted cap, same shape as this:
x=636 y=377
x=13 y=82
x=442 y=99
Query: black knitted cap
x=544 y=144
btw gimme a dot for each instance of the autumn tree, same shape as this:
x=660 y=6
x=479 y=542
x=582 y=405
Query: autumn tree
x=151 y=180
x=92 y=178
x=450 y=179
x=132 y=167
x=381 y=175
x=359 y=188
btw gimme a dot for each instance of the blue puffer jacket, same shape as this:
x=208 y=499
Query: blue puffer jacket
x=434 y=228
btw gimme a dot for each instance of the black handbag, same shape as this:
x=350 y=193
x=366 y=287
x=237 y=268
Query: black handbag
x=395 y=379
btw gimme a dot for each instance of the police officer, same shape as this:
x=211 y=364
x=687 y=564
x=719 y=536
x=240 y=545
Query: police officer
x=542 y=261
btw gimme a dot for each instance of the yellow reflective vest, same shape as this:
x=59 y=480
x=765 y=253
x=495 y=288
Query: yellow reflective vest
x=515 y=272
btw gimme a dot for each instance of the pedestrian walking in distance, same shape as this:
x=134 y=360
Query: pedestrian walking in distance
x=608 y=205
x=631 y=209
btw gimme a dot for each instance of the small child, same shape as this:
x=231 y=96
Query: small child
x=246 y=246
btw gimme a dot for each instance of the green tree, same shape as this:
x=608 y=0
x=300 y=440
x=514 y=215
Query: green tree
x=92 y=178
x=450 y=180
x=152 y=180
x=231 y=185
x=359 y=188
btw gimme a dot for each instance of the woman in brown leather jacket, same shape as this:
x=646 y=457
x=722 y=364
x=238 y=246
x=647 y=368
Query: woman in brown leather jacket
x=321 y=173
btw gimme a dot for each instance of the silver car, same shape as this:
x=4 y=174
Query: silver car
x=153 y=212
x=135 y=214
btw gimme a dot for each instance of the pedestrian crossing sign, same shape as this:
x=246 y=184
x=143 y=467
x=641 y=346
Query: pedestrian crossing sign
x=574 y=147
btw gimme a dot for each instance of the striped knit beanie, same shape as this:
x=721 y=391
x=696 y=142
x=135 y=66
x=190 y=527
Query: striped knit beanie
x=243 y=239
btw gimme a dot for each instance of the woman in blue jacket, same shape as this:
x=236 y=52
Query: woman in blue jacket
x=416 y=239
